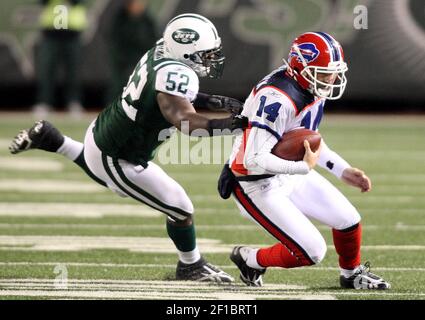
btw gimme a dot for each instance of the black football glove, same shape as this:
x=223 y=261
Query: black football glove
x=235 y=121
x=239 y=122
x=231 y=105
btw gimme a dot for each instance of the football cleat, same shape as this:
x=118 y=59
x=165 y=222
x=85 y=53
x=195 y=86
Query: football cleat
x=250 y=276
x=42 y=135
x=364 y=279
x=201 y=271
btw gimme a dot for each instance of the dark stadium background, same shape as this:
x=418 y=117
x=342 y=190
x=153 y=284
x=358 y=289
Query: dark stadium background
x=386 y=60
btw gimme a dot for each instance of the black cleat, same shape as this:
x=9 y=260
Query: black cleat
x=250 y=276
x=42 y=135
x=364 y=279
x=201 y=271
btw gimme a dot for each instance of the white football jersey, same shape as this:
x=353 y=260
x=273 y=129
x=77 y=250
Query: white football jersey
x=278 y=105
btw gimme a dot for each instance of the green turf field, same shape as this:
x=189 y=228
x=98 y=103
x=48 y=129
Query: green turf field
x=56 y=222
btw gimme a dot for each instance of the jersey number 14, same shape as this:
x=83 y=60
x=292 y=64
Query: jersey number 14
x=272 y=110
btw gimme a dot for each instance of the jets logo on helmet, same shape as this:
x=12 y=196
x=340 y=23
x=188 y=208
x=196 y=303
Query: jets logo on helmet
x=185 y=36
x=193 y=40
x=316 y=62
x=308 y=51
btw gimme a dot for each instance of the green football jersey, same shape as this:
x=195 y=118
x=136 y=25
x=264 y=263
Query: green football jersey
x=129 y=128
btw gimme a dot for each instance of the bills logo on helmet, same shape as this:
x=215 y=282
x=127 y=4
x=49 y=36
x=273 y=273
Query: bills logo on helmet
x=308 y=50
x=185 y=36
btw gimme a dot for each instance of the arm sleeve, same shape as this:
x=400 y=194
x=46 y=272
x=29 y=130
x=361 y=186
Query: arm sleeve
x=259 y=159
x=272 y=114
x=331 y=161
x=177 y=80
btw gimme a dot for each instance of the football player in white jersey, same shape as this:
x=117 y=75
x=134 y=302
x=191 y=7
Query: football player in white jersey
x=282 y=196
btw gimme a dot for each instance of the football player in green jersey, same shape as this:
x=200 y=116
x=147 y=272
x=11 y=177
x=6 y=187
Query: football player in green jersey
x=120 y=143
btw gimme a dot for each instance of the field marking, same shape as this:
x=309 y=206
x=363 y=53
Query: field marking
x=30 y=164
x=173 y=266
x=139 y=289
x=99 y=210
x=78 y=243
x=50 y=186
x=75 y=210
x=138 y=244
x=360 y=198
x=218 y=227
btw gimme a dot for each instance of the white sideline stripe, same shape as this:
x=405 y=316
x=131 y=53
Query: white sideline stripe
x=30 y=164
x=173 y=266
x=136 y=244
x=50 y=186
x=218 y=227
x=75 y=210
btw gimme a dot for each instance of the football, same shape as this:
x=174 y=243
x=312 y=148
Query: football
x=291 y=146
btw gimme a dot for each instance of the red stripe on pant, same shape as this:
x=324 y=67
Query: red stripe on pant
x=287 y=244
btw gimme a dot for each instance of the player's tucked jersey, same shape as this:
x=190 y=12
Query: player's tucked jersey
x=130 y=127
x=277 y=104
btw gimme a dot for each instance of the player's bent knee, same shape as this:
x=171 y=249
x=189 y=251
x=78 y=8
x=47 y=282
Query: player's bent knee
x=183 y=222
x=318 y=253
x=351 y=219
x=181 y=200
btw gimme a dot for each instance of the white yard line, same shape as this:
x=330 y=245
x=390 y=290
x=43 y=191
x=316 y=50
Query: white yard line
x=138 y=289
x=360 y=198
x=218 y=227
x=50 y=186
x=75 y=210
x=173 y=266
x=30 y=164
x=94 y=210
x=138 y=244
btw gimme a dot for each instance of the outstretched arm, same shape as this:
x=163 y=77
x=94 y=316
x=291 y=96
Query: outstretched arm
x=218 y=103
x=177 y=110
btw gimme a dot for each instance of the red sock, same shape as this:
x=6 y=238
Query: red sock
x=279 y=256
x=347 y=244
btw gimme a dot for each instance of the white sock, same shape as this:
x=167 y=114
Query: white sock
x=347 y=272
x=189 y=257
x=70 y=148
x=251 y=260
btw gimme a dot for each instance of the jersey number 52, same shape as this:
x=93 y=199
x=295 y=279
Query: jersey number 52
x=175 y=82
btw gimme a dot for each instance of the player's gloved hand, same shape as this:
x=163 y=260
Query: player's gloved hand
x=357 y=178
x=239 y=122
x=231 y=105
x=311 y=157
x=222 y=126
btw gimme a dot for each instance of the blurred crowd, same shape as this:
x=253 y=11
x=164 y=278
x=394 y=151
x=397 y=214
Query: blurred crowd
x=132 y=32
